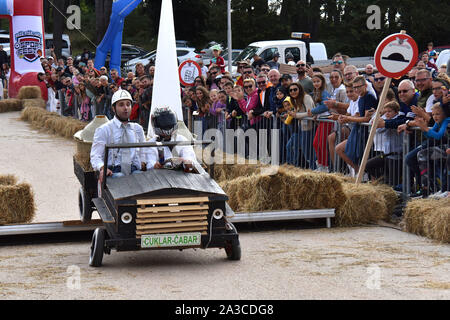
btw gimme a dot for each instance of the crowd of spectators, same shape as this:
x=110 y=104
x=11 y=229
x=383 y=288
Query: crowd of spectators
x=323 y=118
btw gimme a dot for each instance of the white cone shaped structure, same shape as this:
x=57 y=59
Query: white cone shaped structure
x=166 y=83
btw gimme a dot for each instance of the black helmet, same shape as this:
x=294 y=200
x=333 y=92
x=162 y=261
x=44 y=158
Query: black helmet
x=164 y=122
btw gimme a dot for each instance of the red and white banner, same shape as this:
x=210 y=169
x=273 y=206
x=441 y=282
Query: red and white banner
x=28 y=44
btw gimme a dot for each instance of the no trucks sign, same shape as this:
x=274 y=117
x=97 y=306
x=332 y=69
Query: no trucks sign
x=396 y=55
x=189 y=70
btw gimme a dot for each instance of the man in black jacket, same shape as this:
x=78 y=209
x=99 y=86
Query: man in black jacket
x=3 y=56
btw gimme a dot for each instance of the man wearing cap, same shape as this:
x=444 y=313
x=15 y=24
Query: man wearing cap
x=274 y=64
x=119 y=130
x=289 y=57
x=286 y=81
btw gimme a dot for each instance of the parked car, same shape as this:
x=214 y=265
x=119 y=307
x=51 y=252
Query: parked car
x=145 y=59
x=183 y=54
x=439 y=49
x=318 y=51
x=182 y=44
x=234 y=55
x=443 y=58
x=267 y=49
x=66 y=50
x=129 y=52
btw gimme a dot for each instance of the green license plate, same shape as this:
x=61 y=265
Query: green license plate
x=171 y=240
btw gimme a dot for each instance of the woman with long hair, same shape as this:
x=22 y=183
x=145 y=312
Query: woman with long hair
x=203 y=104
x=301 y=130
x=324 y=129
x=84 y=103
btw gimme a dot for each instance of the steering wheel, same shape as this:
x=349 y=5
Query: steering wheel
x=174 y=163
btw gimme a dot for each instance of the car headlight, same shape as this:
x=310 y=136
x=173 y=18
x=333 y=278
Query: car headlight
x=218 y=214
x=126 y=217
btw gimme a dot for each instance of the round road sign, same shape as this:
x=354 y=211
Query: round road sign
x=188 y=71
x=396 y=55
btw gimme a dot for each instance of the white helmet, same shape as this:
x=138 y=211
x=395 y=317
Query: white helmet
x=121 y=95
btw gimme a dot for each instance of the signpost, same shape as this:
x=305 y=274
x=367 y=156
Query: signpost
x=188 y=71
x=394 y=57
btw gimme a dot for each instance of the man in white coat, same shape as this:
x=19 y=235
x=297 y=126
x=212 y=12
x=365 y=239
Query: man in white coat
x=119 y=130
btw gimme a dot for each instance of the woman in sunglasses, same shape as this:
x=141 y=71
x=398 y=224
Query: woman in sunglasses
x=324 y=128
x=301 y=130
x=247 y=105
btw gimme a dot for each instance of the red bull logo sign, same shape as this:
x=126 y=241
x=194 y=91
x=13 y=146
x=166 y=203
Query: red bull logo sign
x=28 y=45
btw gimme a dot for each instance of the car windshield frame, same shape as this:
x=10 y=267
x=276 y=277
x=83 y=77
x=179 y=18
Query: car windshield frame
x=247 y=53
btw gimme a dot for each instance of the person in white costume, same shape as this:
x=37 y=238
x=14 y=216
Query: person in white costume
x=164 y=122
x=119 y=130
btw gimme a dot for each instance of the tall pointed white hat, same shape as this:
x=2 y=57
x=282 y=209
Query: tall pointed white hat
x=166 y=83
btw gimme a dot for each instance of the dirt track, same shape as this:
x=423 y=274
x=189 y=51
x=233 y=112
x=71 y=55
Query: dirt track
x=277 y=263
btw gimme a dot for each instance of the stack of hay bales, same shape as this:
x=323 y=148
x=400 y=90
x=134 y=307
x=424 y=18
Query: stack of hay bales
x=429 y=218
x=16 y=201
x=251 y=189
x=29 y=96
x=52 y=122
x=288 y=189
x=9 y=105
x=365 y=203
x=84 y=139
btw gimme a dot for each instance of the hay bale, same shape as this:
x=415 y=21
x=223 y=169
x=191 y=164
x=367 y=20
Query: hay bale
x=16 y=201
x=7 y=180
x=364 y=204
x=429 y=218
x=52 y=122
x=39 y=103
x=29 y=92
x=84 y=160
x=288 y=189
x=9 y=105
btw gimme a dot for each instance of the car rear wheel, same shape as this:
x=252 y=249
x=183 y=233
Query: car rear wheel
x=97 y=247
x=85 y=206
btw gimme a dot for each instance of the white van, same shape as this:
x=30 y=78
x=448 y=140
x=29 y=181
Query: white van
x=318 y=51
x=66 y=47
x=267 y=49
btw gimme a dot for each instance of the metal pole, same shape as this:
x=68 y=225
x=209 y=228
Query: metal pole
x=230 y=51
x=373 y=130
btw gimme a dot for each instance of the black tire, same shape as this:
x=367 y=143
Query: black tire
x=97 y=247
x=233 y=251
x=84 y=205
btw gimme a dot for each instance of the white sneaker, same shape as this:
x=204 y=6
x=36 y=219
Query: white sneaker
x=365 y=177
x=352 y=171
x=439 y=195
